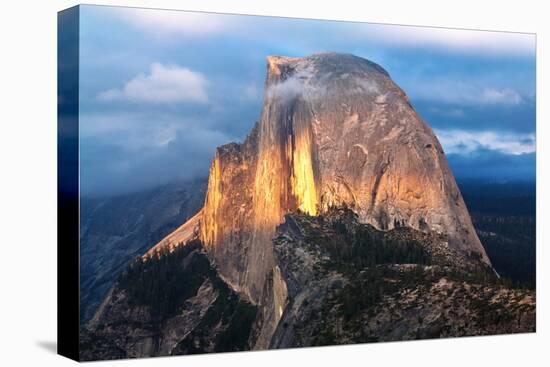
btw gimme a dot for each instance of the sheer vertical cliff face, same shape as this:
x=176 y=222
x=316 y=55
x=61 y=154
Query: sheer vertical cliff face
x=226 y=222
x=334 y=129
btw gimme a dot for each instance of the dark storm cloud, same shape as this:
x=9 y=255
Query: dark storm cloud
x=519 y=118
x=493 y=166
x=145 y=160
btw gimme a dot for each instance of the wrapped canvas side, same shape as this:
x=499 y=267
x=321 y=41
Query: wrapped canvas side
x=68 y=184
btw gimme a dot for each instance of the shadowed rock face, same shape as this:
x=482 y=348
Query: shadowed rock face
x=342 y=289
x=334 y=129
x=174 y=303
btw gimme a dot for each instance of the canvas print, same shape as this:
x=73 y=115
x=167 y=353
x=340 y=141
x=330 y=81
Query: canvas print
x=252 y=183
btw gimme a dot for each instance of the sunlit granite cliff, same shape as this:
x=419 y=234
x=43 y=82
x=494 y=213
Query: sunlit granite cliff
x=335 y=131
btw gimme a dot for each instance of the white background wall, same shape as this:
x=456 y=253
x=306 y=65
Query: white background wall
x=28 y=183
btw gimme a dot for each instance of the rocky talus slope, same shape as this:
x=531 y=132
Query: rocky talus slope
x=350 y=283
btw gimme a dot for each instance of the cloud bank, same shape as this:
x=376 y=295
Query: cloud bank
x=465 y=142
x=163 y=84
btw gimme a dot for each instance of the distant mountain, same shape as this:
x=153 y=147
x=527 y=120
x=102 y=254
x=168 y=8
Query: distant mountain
x=114 y=230
x=504 y=215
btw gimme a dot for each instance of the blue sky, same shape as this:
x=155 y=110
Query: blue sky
x=159 y=90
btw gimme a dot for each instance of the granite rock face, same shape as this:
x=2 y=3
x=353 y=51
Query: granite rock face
x=335 y=129
x=335 y=132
